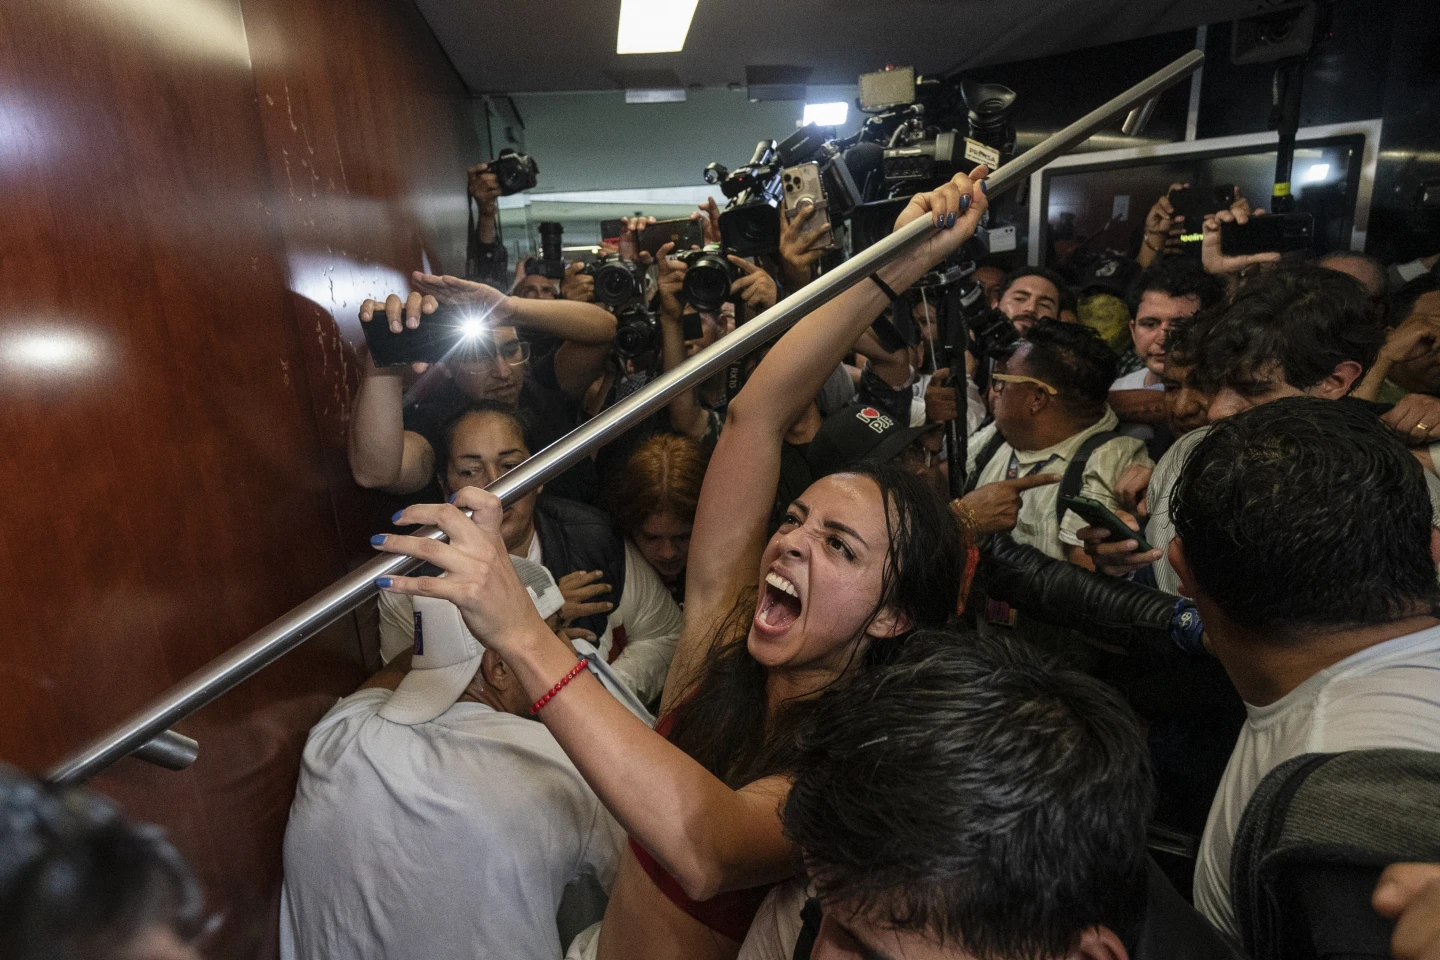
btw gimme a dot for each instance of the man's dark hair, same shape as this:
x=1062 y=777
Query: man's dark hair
x=1187 y=336
x=1303 y=318
x=1061 y=285
x=1376 y=269
x=522 y=421
x=1176 y=277
x=1306 y=513
x=77 y=880
x=1403 y=301
x=975 y=792
x=1074 y=360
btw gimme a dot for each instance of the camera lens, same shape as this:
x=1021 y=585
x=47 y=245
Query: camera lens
x=635 y=332
x=615 y=283
x=707 y=282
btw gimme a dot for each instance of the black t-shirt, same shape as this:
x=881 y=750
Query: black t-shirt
x=546 y=409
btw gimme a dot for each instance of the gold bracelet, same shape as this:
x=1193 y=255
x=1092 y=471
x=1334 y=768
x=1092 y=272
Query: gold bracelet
x=967 y=519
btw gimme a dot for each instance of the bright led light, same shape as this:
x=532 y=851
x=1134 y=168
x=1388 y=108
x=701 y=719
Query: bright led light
x=1317 y=172
x=654 y=26
x=471 y=328
x=827 y=114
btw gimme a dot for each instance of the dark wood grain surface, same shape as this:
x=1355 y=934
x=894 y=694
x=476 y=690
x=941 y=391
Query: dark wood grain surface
x=196 y=196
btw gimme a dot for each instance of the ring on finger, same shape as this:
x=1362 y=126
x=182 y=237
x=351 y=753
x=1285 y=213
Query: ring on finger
x=1420 y=428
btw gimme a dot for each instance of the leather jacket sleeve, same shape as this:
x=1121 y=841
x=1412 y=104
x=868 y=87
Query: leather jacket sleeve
x=1055 y=592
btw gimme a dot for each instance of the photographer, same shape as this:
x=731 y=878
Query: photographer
x=485 y=258
x=393 y=438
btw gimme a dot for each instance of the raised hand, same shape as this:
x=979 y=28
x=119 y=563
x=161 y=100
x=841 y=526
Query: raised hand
x=495 y=307
x=1210 y=256
x=400 y=313
x=670 y=283
x=577 y=285
x=801 y=242
x=484 y=186
x=709 y=217
x=479 y=578
x=755 y=287
x=955 y=209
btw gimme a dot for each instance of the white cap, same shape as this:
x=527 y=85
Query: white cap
x=446 y=653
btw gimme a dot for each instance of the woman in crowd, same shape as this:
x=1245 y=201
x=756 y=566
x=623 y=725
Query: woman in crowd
x=862 y=559
x=653 y=503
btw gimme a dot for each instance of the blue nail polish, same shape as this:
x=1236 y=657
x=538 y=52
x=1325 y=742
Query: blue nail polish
x=382 y=582
x=378 y=540
x=453 y=498
x=940 y=221
x=983 y=188
x=965 y=203
x=396 y=518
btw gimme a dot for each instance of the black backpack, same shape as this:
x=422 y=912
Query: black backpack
x=1313 y=841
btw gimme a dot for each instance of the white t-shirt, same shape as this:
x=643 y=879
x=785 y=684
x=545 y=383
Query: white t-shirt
x=1385 y=696
x=776 y=927
x=1037 y=525
x=448 y=839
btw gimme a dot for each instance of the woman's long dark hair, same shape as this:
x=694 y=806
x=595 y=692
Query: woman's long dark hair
x=724 y=722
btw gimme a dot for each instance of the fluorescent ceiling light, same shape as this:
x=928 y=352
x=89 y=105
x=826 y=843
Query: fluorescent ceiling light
x=654 y=26
x=1317 y=172
x=827 y=114
x=655 y=96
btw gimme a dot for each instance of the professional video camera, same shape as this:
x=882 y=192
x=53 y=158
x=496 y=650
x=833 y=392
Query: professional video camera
x=515 y=171
x=637 y=331
x=617 y=280
x=708 y=278
x=808 y=167
x=750 y=223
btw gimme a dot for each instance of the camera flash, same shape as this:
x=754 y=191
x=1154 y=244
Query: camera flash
x=471 y=328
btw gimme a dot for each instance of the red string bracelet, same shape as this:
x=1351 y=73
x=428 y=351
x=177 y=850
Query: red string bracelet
x=574 y=672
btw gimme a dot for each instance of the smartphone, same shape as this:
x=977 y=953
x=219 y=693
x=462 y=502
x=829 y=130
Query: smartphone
x=1195 y=205
x=438 y=335
x=684 y=234
x=803 y=187
x=1276 y=233
x=1097 y=514
x=610 y=230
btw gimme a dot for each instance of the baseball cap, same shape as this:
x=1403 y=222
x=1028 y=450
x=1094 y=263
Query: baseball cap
x=446 y=654
x=1108 y=273
x=855 y=434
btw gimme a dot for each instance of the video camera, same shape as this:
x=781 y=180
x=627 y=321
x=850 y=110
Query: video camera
x=808 y=167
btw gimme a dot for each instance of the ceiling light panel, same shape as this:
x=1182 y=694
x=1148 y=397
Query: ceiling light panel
x=654 y=26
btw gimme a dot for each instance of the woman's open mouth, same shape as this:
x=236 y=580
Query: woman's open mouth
x=779 y=604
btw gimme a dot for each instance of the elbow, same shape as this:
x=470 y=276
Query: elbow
x=701 y=884
x=371 y=479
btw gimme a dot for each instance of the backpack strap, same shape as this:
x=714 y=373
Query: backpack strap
x=983 y=458
x=1074 y=476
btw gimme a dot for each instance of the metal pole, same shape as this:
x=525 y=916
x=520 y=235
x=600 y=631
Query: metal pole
x=171 y=750
x=294 y=628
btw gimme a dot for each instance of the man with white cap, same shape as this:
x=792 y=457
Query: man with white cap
x=434 y=817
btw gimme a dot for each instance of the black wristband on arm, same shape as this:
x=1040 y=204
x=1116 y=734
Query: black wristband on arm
x=890 y=295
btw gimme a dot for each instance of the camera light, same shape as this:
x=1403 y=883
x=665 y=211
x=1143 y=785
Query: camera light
x=654 y=26
x=470 y=328
x=1317 y=172
x=826 y=114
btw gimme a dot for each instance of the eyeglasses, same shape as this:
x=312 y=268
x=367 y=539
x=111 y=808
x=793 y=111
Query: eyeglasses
x=1016 y=378
x=513 y=352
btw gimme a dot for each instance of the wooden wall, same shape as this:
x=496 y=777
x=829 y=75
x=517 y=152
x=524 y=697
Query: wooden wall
x=196 y=195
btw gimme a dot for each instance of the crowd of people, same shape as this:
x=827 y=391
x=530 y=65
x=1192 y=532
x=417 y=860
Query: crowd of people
x=748 y=681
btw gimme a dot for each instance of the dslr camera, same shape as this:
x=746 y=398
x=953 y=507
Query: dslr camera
x=617 y=281
x=637 y=332
x=515 y=171
x=708 y=277
x=750 y=223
